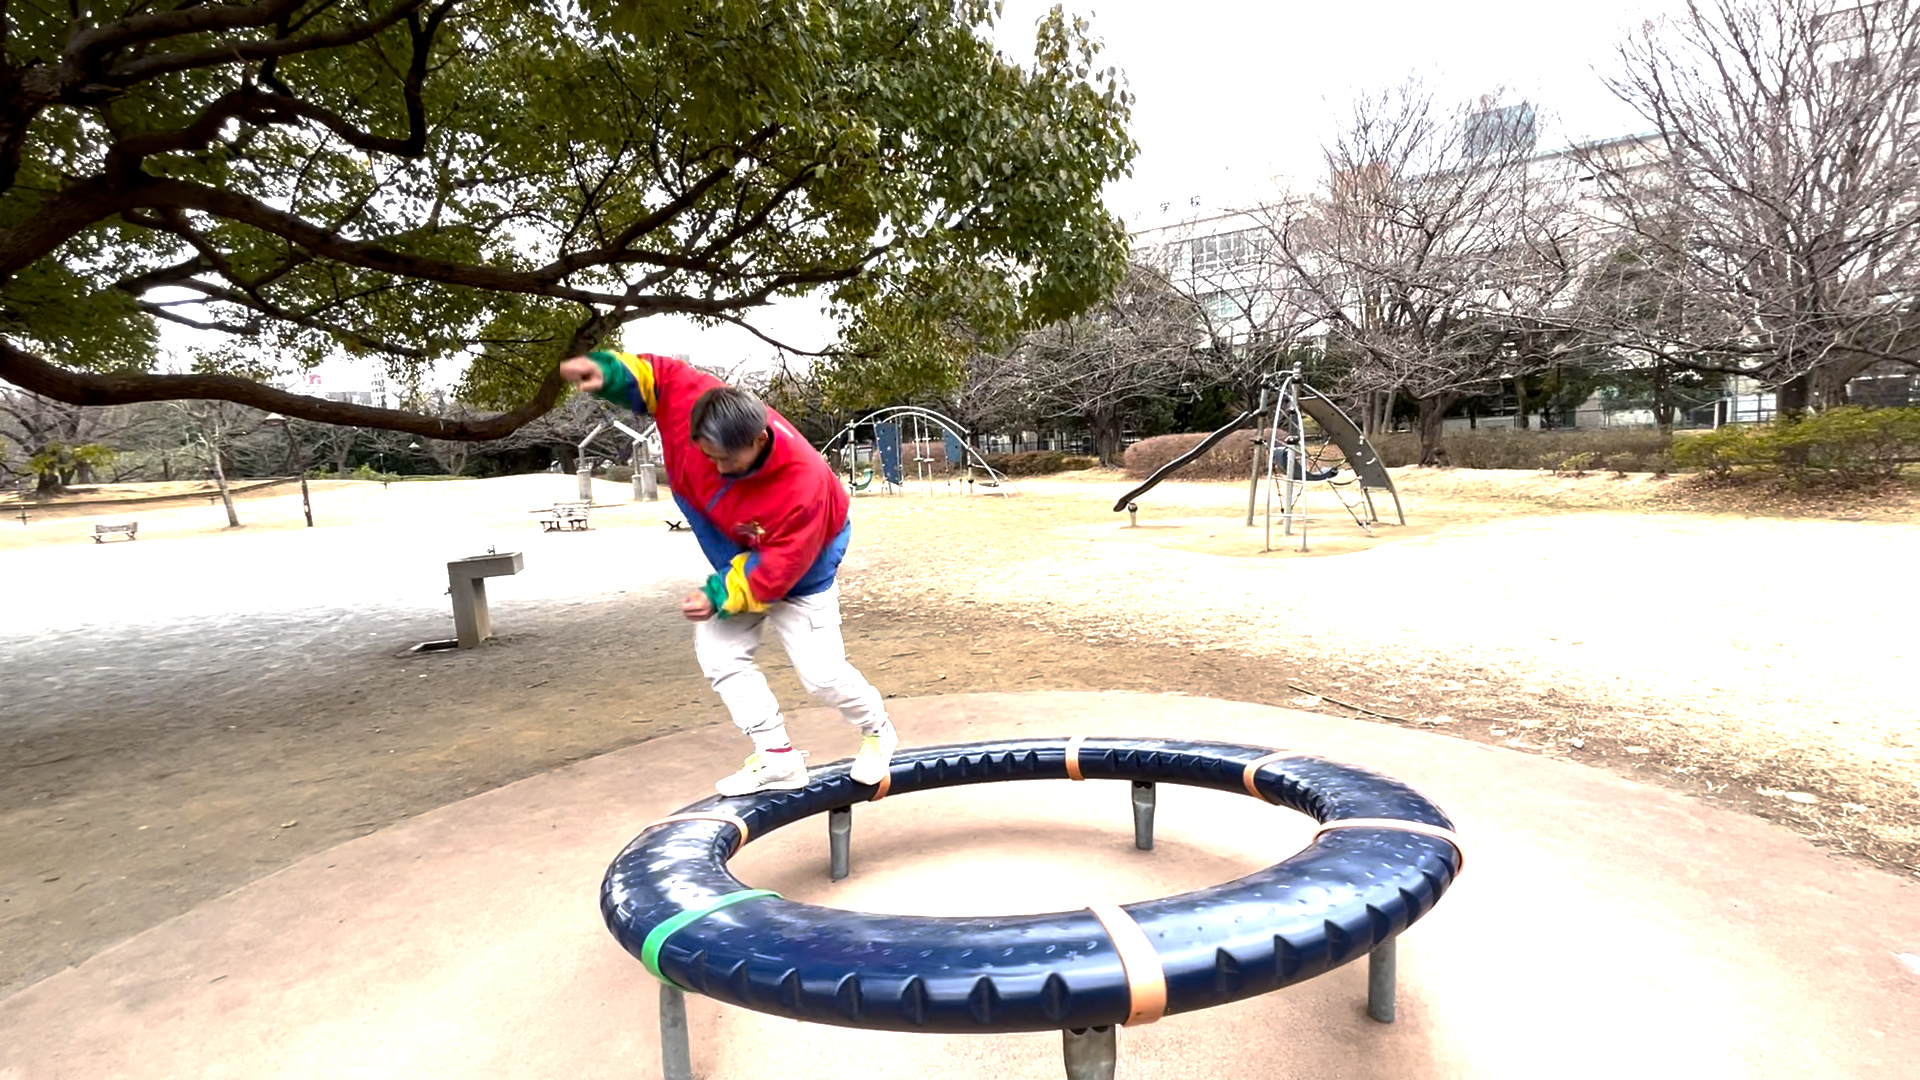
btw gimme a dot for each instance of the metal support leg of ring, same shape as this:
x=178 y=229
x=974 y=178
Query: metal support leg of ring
x=839 y=841
x=1143 y=798
x=1091 y=1053
x=1380 y=981
x=676 y=1056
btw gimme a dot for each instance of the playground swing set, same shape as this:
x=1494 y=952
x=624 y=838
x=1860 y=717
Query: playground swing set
x=886 y=433
x=1294 y=455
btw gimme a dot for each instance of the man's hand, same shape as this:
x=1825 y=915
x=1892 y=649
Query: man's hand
x=696 y=607
x=583 y=373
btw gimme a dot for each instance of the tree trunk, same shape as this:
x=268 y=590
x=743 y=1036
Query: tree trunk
x=1433 y=410
x=1520 y=402
x=226 y=497
x=1791 y=399
x=1106 y=440
x=1663 y=404
x=49 y=485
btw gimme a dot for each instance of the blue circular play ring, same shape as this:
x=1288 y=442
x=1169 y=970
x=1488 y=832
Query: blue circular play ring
x=671 y=901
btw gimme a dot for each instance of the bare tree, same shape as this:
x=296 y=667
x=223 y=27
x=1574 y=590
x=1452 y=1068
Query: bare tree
x=55 y=443
x=1433 y=250
x=1101 y=368
x=216 y=426
x=1777 y=228
x=1256 y=314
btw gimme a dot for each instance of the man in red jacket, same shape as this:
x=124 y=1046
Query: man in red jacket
x=772 y=519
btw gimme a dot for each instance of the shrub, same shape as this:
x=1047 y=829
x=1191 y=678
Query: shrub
x=1853 y=445
x=1035 y=463
x=1624 y=462
x=1659 y=464
x=1717 y=451
x=1229 y=459
x=619 y=474
x=1576 y=463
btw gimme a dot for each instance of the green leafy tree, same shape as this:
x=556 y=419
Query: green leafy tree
x=500 y=183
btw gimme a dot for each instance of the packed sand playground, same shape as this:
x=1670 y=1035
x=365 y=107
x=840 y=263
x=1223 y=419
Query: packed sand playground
x=249 y=829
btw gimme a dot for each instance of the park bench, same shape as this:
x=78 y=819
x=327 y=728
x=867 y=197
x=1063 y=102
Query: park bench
x=130 y=530
x=564 y=515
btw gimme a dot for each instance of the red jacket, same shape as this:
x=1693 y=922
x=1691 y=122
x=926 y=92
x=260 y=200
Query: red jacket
x=778 y=531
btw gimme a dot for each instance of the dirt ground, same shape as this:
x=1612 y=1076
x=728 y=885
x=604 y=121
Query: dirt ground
x=192 y=710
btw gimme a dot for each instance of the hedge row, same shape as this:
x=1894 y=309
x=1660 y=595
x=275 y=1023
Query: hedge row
x=1229 y=459
x=1851 y=445
x=1619 y=449
x=1039 y=462
x=1642 y=449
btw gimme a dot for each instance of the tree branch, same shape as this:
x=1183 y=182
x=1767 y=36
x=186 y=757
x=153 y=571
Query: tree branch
x=149 y=67
x=35 y=375
x=84 y=46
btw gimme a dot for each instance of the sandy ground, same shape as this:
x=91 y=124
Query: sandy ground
x=190 y=711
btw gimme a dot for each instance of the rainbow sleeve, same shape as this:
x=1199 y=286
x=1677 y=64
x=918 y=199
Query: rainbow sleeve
x=627 y=380
x=729 y=593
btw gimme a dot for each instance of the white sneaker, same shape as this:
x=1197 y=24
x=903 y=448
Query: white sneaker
x=784 y=771
x=871 y=764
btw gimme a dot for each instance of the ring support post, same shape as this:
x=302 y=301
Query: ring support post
x=1143 y=801
x=839 y=841
x=1381 y=977
x=1091 y=1053
x=676 y=1055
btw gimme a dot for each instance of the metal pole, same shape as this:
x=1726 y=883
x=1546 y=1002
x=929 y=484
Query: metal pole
x=1091 y=1053
x=1143 y=800
x=1253 y=470
x=839 y=841
x=1273 y=446
x=1380 y=981
x=676 y=1057
x=645 y=484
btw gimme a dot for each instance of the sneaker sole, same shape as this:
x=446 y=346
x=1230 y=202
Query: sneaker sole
x=788 y=784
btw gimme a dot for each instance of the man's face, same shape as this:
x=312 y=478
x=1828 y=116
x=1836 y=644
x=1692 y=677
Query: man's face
x=733 y=464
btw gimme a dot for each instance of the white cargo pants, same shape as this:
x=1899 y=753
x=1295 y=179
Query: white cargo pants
x=809 y=628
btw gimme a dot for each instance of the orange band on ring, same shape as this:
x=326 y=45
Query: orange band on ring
x=1257 y=764
x=1146 y=979
x=1421 y=827
x=885 y=785
x=1073 y=757
x=734 y=820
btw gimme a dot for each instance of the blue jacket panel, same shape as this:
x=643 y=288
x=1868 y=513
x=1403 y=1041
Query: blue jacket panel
x=720 y=551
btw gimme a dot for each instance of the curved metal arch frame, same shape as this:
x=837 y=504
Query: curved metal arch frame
x=1000 y=481
x=1381 y=860
x=1290 y=399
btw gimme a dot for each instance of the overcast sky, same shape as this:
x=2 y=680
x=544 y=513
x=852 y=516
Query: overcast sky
x=1233 y=93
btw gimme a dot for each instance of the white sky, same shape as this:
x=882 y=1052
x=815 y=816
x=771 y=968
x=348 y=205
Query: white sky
x=1232 y=94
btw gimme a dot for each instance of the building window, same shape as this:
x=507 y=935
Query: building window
x=1222 y=251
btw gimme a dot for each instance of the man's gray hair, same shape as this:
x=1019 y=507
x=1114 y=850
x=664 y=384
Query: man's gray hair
x=729 y=417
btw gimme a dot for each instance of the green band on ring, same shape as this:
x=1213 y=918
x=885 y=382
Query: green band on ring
x=650 y=948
